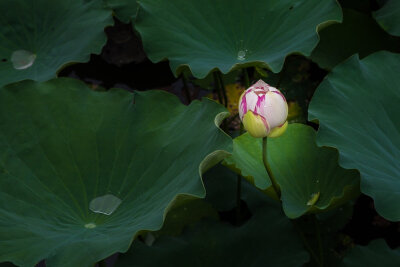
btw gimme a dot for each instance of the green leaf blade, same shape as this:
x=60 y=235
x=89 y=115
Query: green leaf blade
x=389 y=17
x=358 y=34
x=204 y=36
x=213 y=243
x=356 y=106
x=41 y=36
x=62 y=146
x=377 y=253
x=309 y=177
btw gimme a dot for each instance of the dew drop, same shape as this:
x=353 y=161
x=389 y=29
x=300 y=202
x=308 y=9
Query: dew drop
x=106 y=204
x=241 y=55
x=22 y=59
x=90 y=225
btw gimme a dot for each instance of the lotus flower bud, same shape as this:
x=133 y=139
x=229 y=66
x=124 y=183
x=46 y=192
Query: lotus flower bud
x=263 y=110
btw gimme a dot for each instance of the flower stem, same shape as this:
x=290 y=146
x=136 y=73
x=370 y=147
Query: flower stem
x=318 y=233
x=268 y=167
x=306 y=244
x=222 y=86
x=281 y=75
x=216 y=84
x=246 y=78
x=186 y=89
x=239 y=188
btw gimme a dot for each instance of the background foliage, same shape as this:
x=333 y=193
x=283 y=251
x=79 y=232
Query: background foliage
x=94 y=175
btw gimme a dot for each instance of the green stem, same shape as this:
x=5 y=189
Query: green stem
x=216 y=84
x=306 y=244
x=239 y=187
x=268 y=167
x=246 y=78
x=222 y=86
x=241 y=131
x=186 y=89
x=282 y=74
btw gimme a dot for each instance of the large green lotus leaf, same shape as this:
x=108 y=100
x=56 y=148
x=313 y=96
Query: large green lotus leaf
x=125 y=10
x=359 y=33
x=377 y=253
x=357 y=107
x=81 y=172
x=38 y=37
x=225 y=34
x=309 y=176
x=389 y=17
x=268 y=238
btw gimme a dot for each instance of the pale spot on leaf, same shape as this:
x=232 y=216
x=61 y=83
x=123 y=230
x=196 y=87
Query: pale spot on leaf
x=22 y=59
x=90 y=225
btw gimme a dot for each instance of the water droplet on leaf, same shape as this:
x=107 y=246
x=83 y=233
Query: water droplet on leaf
x=106 y=204
x=241 y=55
x=22 y=59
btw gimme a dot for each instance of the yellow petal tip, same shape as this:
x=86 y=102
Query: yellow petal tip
x=254 y=125
x=278 y=131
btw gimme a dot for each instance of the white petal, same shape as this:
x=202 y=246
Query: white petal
x=251 y=99
x=275 y=109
